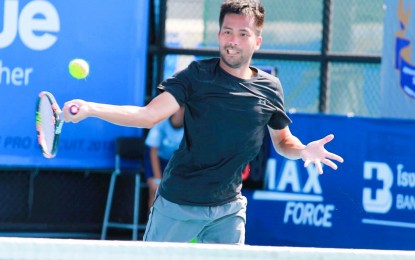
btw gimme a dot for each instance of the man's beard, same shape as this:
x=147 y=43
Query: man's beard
x=232 y=63
x=235 y=61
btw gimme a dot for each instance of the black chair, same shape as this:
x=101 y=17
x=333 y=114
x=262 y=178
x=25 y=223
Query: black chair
x=129 y=159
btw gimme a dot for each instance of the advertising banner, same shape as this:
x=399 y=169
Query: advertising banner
x=398 y=60
x=369 y=202
x=38 y=39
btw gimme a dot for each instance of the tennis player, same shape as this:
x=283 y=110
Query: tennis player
x=228 y=104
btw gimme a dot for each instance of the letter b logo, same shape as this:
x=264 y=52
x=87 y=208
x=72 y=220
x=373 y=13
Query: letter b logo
x=378 y=199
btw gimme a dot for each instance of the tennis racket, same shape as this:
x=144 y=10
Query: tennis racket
x=49 y=122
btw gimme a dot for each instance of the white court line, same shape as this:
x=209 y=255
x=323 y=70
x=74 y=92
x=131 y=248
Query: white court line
x=388 y=223
x=284 y=196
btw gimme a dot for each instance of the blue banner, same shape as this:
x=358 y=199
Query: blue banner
x=37 y=41
x=398 y=66
x=369 y=202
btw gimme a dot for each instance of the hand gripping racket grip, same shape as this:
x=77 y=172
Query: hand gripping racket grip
x=74 y=109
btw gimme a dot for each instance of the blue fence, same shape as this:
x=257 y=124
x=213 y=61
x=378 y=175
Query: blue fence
x=369 y=202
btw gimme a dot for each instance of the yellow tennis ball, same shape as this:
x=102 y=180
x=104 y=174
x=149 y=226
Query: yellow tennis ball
x=79 y=68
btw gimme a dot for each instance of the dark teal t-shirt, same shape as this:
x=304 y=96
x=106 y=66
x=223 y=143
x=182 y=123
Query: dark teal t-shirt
x=225 y=119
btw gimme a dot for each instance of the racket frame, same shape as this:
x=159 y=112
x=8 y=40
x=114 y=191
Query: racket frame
x=58 y=123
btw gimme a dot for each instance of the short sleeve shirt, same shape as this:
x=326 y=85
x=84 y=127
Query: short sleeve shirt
x=224 y=122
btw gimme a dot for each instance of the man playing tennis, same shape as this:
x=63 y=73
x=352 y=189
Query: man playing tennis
x=228 y=104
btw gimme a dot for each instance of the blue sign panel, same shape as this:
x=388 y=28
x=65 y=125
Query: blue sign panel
x=398 y=65
x=38 y=39
x=369 y=202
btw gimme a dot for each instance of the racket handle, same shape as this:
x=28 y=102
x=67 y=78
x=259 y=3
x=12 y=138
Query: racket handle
x=74 y=109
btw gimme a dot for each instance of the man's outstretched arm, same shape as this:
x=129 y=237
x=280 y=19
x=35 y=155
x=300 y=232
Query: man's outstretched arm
x=160 y=108
x=289 y=146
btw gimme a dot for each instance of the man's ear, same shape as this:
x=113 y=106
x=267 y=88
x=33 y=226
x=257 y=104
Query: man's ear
x=258 y=42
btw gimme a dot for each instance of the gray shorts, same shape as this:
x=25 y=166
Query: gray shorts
x=171 y=222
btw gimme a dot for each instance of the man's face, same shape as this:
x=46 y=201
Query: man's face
x=238 y=40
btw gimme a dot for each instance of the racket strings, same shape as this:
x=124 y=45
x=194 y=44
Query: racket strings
x=46 y=126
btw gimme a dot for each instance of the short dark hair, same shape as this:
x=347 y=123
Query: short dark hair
x=252 y=8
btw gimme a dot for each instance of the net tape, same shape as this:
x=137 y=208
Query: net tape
x=49 y=248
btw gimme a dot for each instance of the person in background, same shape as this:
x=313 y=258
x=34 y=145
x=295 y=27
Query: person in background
x=162 y=140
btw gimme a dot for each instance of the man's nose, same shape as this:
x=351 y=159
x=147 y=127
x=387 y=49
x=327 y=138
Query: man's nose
x=233 y=41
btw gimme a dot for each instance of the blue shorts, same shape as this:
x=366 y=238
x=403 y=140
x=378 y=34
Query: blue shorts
x=171 y=222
